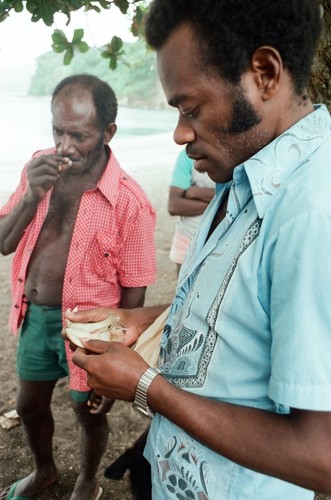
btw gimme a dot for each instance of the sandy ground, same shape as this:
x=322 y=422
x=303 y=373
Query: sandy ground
x=126 y=425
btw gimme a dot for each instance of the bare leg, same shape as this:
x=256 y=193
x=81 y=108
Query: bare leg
x=94 y=439
x=33 y=408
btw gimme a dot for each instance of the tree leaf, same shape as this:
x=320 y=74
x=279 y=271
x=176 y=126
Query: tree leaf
x=92 y=7
x=105 y=5
x=18 y=6
x=68 y=56
x=116 y=43
x=46 y=12
x=137 y=22
x=59 y=37
x=113 y=62
x=60 y=41
x=106 y=54
x=32 y=5
x=78 y=35
x=82 y=46
x=123 y=5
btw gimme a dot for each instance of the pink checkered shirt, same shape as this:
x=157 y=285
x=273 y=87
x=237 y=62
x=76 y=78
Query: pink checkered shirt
x=112 y=246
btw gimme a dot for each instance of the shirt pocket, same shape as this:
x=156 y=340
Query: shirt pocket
x=104 y=256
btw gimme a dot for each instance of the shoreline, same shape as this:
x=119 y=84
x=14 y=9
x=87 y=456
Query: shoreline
x=148 y=159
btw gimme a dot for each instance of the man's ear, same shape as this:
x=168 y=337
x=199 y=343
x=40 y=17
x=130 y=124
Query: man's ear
x=109 y=132
x=267 y=67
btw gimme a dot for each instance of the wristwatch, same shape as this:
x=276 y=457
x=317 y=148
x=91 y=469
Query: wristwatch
x=140 y=399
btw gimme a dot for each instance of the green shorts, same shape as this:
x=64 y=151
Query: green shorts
x=41 y=352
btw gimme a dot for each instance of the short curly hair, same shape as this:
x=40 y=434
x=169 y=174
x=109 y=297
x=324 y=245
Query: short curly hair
x=229 y=31
x=103 y=96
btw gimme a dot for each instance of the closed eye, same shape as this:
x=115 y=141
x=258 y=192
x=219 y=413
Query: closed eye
x=57 y=131
x=188 y=113
x=78 y=137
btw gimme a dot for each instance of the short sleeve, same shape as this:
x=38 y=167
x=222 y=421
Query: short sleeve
x=301 y=313
x=138 y=261
x=16 y=196
x=182 y=173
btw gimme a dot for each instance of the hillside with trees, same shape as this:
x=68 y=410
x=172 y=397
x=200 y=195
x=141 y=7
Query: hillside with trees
x=135 y=80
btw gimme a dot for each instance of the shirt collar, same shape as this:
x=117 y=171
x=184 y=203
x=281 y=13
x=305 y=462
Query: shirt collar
x=108 y=182
x=270 y=167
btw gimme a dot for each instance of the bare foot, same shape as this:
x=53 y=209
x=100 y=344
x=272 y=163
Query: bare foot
x=86 y=491
x=34 y=483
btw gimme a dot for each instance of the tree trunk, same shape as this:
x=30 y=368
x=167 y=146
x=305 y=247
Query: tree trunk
x=320 y=82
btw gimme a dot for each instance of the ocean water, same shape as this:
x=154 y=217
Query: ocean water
x=143 y=139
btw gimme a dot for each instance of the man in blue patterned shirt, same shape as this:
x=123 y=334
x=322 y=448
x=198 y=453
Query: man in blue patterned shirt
x=243 y=401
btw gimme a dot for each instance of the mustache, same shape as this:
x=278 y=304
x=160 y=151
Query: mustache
x=190 y=150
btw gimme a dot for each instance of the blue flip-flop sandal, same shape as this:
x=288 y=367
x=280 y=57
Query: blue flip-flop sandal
x=11 y=493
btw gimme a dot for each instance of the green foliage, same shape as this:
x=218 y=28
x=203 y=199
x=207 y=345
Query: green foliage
x=44 y=10
x=135 y=80
x=113 y=51
x=123 y=5
x=61 y=44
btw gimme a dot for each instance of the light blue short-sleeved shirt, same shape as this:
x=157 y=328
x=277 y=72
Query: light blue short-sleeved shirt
x=251 y=320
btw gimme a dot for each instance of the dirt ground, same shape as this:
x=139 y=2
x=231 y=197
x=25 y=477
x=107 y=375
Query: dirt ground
x=126 y=425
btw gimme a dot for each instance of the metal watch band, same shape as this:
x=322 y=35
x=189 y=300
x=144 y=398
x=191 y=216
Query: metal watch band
x=140 y=399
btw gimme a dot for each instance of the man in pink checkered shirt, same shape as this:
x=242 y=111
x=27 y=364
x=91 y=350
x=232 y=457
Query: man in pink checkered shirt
x=83 y=235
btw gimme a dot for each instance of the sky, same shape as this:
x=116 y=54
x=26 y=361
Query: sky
x=21 y=41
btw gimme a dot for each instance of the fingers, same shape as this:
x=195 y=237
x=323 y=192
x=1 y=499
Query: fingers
x=100 y=314
x=100 y=404
x=113 y=373
x=84 y=358
x=45 y=169
x=66 y=164
x=81 y=357
x=45 y=163
x=130 y=337
x=89 y=315
x=94 y=402
x=96 y=346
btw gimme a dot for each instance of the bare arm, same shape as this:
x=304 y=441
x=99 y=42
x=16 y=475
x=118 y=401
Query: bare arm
x=42 y=173
x=12 y=226
x=133 y=297
x=295 y=447
x=191 y=202
x=200 y=193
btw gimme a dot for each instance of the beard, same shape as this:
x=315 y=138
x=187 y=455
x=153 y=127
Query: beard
x=244 y=116
x=89 y=162
x=100 y=144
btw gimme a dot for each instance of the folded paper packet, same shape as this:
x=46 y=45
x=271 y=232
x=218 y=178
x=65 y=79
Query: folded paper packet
x=111 y=330
x=148 y=344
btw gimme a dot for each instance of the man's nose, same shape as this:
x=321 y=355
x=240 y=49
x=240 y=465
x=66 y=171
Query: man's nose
x=65 y=146
x=183 y=133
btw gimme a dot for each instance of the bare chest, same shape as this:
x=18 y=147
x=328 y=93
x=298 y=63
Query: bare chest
x=61 y=215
